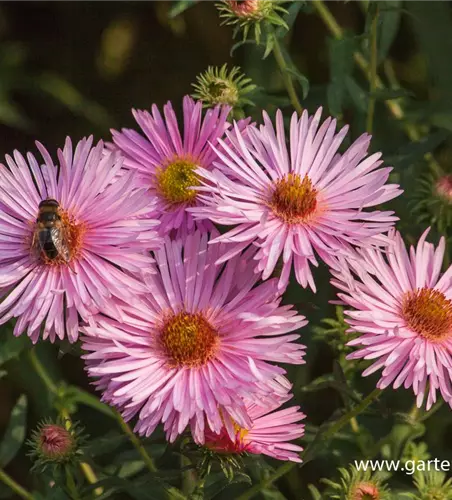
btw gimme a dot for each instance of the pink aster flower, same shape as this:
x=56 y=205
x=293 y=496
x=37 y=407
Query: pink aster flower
x=65 y=265
x=402 y=311
x=298 y=199
x=270 y=432
x=167 y=162
x=201 y=340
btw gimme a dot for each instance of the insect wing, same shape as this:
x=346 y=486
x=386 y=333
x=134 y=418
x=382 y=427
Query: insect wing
x=42 y=239
x=58 y=239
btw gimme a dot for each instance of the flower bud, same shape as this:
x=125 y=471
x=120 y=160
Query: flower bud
x=55 y=443
x=432 y=485
x=220 y=86
x=444 y=187
x=432 y=201
x=365 y=491
x=249 y=14
x=357 y=485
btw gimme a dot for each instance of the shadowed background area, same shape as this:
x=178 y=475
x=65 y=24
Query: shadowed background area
x=77 y=68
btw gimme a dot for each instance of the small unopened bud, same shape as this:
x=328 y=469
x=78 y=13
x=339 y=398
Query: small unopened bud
x=55 y=443
x=365 y=491
x=433 y=485
x=359 y=485
x=444 y=187
x=250 y=9
x=250 y=14
x=220 y=86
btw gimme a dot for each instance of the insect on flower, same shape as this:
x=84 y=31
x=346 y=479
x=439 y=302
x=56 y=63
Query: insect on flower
x=50 y=237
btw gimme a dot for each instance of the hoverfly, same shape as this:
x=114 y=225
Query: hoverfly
x=49 y=237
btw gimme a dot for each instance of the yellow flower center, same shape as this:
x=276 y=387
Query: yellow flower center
x=189 y=340
x=221 y=443
x=428 y=313
x=74 y=231
x=240 y=432
x=175 y=180
x=294 y=199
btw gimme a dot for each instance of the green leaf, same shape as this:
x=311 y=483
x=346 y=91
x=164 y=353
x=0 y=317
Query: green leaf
x=341 y=67
x=389 y=94
x=105 y=444
x=138 y=489
x=131 y=468
x=401 y=434
x=15 y=432
x=216 y=483
x=273 y=494
x=77 y=395
x=327 y=382
x=416 y=151
x=390 y=14
x=290 y=18
x=292 y=70
x=54 y=492
x=180 y=7
x=304 y=82
x=239 y=44
x=358 y=96
x=432 y=22
x=315 y=493
x=442 y=119
x=11 y=347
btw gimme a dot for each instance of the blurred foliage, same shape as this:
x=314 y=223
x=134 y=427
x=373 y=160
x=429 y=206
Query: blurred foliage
x=69 y=68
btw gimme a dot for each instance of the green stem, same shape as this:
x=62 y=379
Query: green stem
x=136 y=443
x=287 y=79
x=414 y=413
x=53 y=388
x=173 y=492
x=338 y=33
x=288 y=466
x=17 y=488
x=42 y=373
x=372 y=72
x=189 y=479
x=393 y=105
x=70 y=483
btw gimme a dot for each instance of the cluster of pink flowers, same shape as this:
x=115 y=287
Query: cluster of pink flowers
x=184 y=326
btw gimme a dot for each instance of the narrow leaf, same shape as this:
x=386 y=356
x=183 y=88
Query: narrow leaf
x=15 y=432
x=390 y=14
x=341 y=64
x=389 y=94
x=304 y=82
x=290 y=17
x=415 y=151
x=180 y=7
x=11 y=347
x=78 y=395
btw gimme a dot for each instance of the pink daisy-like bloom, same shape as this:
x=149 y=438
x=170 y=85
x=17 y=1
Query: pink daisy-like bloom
x=293 y=199
x=96 y=205
x=200 y=341
x=167 y=162
x=270 y=432
x=402 y=311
